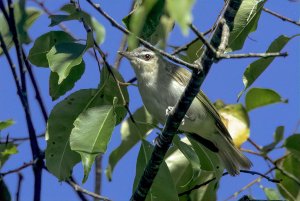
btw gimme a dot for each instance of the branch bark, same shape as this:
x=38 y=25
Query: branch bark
x=164 y=140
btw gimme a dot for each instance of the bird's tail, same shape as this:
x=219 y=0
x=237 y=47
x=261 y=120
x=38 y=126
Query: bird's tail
x=232 y=158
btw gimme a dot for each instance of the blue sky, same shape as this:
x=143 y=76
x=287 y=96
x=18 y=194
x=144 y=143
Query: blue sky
x=223 y=82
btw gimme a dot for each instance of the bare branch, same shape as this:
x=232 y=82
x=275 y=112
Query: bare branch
x=226 y=173
x=114 y=23
x=283 y=18
x=252 y=55
x=25 y=165
x=80 y=189
x=20 y=179
x=186 y=46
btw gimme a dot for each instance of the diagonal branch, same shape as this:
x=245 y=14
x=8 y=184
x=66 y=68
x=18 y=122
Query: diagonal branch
x=114 y=23
x=283 y=18
x=226 y=173
x=174 y=119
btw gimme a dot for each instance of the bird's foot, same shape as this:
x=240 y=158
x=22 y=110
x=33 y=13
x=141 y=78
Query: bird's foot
x=169 y=110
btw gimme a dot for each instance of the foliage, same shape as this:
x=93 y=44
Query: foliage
x=81 y=124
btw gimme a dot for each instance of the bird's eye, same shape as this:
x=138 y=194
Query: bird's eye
x=147 y=57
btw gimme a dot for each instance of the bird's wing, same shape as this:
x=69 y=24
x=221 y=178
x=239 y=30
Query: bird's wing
x=183 y=76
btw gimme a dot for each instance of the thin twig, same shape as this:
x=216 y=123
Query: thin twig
x=275 y=163
x=20 y=179
x=283 y=18
x=16 y=170
x=114 y=23
x=38 y=95
x=20 y=139
x=251 y=55
x=249 y=185
x=186 y=46
x=203 y=39
x=22 y=92
x=80 y=189
x=226 y=173
x=121 y=48
x=98 y=175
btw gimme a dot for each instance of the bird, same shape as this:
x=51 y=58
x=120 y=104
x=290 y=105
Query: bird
x=161 y=84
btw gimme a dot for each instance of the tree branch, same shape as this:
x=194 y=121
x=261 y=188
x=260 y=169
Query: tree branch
x=20 y=179
x=22 y=92
x=226 y=173
x=25 y=165
x=114 y=23
x=283 y=18
x=82 y=190
x=174 y=119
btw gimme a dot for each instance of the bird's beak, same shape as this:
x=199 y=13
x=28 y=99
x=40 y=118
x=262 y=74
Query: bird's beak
x=128 y=55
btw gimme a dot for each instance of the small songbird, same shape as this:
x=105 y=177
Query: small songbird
x=161 y=84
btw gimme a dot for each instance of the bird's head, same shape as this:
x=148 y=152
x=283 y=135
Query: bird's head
x=142 y=59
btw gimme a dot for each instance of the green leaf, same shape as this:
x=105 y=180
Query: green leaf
x=56 y=90
x=6 y=150
x=63 y=57
x=181 y=12
x=75 y=14
x=4 y=192
x=289 y=188
x=209 y=161
x=272 y=194
x=60 y=159
x=181 y=172
x=5 y=124
x=144 y=21
x=245 y=22
x=43 y=44
x=162 y=179
x=255 y=69
x=91 y=134
x=192 y=157
x=278 y=136
x=111 y=89
x=131 y=134
x=24 y=18
x=292 y=144
x=259 y=97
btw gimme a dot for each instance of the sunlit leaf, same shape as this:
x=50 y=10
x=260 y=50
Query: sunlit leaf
x=258 y=97
x=6 y=123
x=91 y=133
x=289 y=187
x=163 y=177
x=255 y=69
x=144 y=20
x=192 y=157
x=110 y=89
x=131 y=134
x=6 y=150
x=271 y=193
x=292 y=143
x=209 y=161
x=245 y=22
x=56 y=90
x=278 y=136
x=75 y=14
x=181 y=12
x=43 y=44
x=182 y=172
x=63 y=57
x=236 y=120
x=60 y=159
